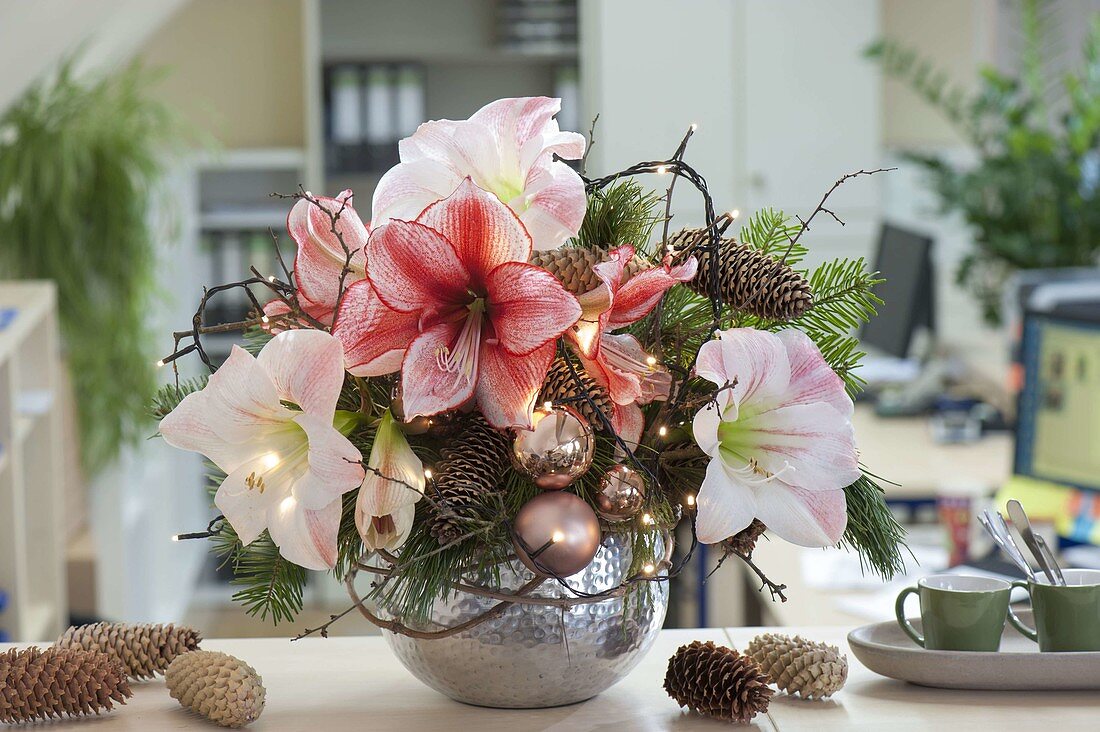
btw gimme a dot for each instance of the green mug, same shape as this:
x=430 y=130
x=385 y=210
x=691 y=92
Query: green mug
x=958 y=612
x=1066 y=618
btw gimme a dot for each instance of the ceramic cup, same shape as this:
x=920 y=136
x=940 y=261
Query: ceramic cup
x=1066 y=618
x=957 y=612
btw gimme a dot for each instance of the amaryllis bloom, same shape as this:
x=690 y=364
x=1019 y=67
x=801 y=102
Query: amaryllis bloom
x=320 y=259
x=507 y=148
x=451 y=300
x=386 y=503
x=780 y=439
x=618 y=362
x=286 y=467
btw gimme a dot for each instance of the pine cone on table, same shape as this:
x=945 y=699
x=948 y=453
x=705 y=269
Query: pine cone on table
x=471 y=466
x=750 y=280
x=717 y=682
x=800 y=666
x=220 y=687
x=573 y=267
x=38 y=684
x=143 y=650
x=560 y=386
x=744 y=541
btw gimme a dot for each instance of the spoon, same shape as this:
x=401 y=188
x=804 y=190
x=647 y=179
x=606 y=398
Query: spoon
x=1003 y=539
x=1020 y=521
x=1050 y=559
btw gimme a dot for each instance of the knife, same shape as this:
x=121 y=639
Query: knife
x=1023 y=526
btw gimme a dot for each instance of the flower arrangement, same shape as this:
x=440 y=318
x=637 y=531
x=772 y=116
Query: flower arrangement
x=512 y=362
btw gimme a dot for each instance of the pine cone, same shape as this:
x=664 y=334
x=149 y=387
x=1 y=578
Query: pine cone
x=744 y=541
x=750 y=280
x=143 y=650
x=38 y=684
x=224 y=689
x=472 y=465
x=560 y=386
x=717 y=681
x=573 y=267
x=796 y=665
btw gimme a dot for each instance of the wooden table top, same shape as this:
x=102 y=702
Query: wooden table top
x=340 y=684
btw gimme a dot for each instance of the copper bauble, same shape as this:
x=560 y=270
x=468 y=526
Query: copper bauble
x=620 y=494
x=557 y=451
x=437 y=425
x=556 y=533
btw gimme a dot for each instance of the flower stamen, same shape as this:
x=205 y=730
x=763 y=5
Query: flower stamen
x=462 y=356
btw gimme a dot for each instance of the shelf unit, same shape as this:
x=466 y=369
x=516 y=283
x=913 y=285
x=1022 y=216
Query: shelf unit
x=32 y=520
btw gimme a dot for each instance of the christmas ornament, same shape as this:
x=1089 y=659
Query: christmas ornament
x=556 y=533
x=717 y=682
x=557 y=451
x=143 y=650
x=799 y=666
x=573 y=266
x=620 y=494
x=224 y=689
x=437 y=425
x=750 y=280
x=561 y=386
x=744 y=541
x=38 y=684
x=471 y=467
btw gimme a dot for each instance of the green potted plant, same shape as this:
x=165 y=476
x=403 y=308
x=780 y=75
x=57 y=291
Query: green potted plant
x=1032 y=198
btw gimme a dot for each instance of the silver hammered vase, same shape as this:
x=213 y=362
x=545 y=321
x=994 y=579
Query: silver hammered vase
x=537 y=655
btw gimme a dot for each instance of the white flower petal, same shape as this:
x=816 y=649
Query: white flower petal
x=402 y=526
x=803 y=517
x=241 y=399
x=333 y=465
x=187 y=427
x=758 y=361
x=725 y=505
x=554 y=204
x=705 y=429
x=305 y=537
x=411 y=186
x=396 y=478
x=307 y=368
x=812 y=443
x=812 y=379
x=246 y=507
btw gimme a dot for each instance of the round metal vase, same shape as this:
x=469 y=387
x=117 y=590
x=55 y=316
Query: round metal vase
x=536 y=655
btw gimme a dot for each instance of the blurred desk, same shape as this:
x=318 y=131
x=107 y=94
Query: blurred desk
x=901 y=450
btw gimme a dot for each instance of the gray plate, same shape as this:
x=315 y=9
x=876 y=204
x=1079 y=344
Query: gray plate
x=886 y=650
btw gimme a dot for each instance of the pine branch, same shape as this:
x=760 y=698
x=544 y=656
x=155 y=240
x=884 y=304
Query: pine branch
x=270 y=584
x=620 y=214
x=770 y=231
x=168 y=396
x=872 y=529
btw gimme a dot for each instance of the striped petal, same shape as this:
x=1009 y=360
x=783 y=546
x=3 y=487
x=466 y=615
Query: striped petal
x=307 y=368
x=396 y=479
x=241 y=400
x=414 y=268
x=509 y=385
x=552 y=205
x=803 y=517
x=411 y=186
x=755 y=359
x=641 y=292
x=426 y=387
x=484 y=232
x=374 y=336
x=305 y=537
x=812 y=379
x=334 y=465
x=528 y=306
x=321 y=257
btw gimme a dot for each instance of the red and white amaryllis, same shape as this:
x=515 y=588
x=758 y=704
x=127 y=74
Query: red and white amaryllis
x=320 y=257
x=451 y=301
x=285 y=468
x=780 y=439
x=507 y=148
x=618 y=362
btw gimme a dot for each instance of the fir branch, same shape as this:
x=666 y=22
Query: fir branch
x=168 y=396
x=770 y=231
x=270 y=584
x=620 y=214
x=873 y=530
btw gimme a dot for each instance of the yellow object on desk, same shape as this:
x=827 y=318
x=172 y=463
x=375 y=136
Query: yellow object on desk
x=1074 y=513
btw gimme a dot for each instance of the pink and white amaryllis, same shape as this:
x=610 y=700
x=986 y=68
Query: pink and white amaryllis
x=618 y=362
x=780 y=439
x=386 y=504
x=286 y=468
x=320 y=258
x=507 y=147
x=451 y=300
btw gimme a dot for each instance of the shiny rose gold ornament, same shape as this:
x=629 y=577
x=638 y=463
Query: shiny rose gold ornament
x=557 y=451
x=556 y=533
x=437 y=425
x=620 y=494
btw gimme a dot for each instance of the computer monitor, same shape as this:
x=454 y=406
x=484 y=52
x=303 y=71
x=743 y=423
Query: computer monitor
x=1058 y=427
x=904 y=259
